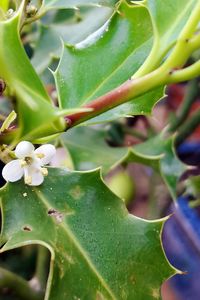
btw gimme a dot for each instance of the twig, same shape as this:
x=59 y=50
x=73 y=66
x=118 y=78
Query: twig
x=165 y=74
x=188 y=128
x=136 y=133
x=192 y=92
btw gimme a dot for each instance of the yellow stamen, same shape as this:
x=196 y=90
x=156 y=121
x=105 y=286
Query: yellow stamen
x=23 y=163
x=44 y=171
x=28 y=180
x=40 y=155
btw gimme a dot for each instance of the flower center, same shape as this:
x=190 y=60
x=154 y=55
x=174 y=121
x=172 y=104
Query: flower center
x=28 y=160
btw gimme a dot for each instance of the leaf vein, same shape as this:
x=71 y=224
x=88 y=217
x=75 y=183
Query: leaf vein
x=77 y=244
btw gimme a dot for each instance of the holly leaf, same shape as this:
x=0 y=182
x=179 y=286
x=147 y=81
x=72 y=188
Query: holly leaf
x=143 y=45
x=168 y=19
x=98 y=250
x=62 y=4
x=88 y=149
x=24 y=83
x=71 y=30
x=130 y=39
x=159 y=153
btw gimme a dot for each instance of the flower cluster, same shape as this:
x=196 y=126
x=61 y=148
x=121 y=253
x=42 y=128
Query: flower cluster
x=29 y=163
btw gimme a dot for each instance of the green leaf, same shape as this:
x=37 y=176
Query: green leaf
x=98 y=250
x=70 y=31
x=90 y=69
x=159 y=153
x=89 y=150
x=168 y=18
x=4 y=5
x=24 y=83
x=62 y=4
x=131 y=42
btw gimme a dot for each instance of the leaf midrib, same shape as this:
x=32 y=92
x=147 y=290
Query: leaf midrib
x=71 y=236
x=164 y=37
x=103 y=82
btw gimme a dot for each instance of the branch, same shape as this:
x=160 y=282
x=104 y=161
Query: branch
x=120 y=95
x=191 y=95
x=132 y=89
x=136 y=133
x=165 y=74
x=195 y=42
x=188 y=127
x=19 y=285
x=186 y=73
x=184 y=47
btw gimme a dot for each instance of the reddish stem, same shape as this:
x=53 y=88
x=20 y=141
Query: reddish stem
x=102 y=104
x=124 y=93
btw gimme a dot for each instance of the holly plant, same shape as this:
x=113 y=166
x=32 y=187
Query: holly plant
x=68 y=70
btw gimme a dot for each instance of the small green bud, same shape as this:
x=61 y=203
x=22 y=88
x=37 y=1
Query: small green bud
x=31 y=10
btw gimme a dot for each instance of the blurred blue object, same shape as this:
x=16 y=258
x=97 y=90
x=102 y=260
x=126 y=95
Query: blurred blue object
x=189 y=152
x=181 y=240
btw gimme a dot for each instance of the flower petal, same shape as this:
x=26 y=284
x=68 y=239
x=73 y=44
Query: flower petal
x=37 y=178
x=13 y=171
x=33 y=176
x=24 y=149
x=47 y=151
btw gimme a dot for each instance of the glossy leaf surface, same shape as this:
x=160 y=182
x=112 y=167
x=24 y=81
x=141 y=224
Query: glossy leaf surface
x=98 y=250
x=61 y=4
x=22 y=80
x=73 y=29
x=150 y=39
x=92 y=70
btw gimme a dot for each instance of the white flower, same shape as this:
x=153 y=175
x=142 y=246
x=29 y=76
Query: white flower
x=29 y=163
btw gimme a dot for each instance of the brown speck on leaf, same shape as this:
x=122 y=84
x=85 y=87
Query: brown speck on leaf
x=132 y=279
x=56 y=214
x=27 y=228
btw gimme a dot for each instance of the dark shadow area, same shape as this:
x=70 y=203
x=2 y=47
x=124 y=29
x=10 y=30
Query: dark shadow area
x=30 y=263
